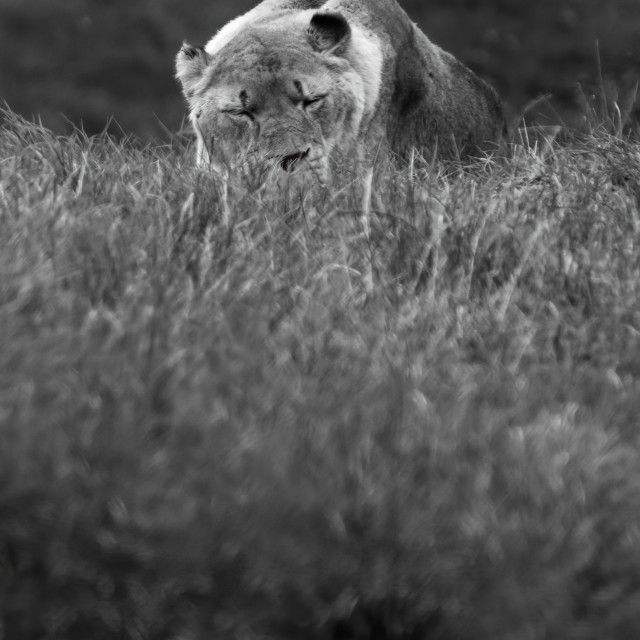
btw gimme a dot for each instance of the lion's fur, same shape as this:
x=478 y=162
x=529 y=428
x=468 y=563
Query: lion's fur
x=404 y=91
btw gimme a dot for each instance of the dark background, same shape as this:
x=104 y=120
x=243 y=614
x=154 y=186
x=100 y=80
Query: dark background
x=82 y=61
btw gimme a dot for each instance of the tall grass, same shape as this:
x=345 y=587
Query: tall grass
x=256 y=407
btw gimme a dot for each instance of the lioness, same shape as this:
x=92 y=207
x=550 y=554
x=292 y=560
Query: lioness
x=294 y=80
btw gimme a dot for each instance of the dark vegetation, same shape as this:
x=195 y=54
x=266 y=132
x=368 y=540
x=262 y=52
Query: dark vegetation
x=87 y=60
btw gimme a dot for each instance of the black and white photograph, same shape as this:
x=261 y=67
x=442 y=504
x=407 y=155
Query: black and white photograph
x=319 y=320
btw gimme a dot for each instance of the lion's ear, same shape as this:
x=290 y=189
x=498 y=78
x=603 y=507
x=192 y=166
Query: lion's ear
x=190 y=64
x=329 y=32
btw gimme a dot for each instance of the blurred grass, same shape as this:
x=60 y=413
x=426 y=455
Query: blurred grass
x=85 y=60
x=227 y=410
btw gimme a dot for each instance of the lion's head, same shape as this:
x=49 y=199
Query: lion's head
x=282 y=89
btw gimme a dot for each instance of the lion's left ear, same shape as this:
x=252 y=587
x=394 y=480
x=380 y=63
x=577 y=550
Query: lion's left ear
x=329 y=32
x=190 y=64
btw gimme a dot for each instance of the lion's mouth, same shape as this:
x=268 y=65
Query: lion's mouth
x=288 y=163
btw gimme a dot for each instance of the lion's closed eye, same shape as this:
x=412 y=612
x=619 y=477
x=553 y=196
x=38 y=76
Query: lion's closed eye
x=313 y=101
x=239 y=114
x=308 y=102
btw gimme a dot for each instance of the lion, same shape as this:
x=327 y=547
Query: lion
x=296 y=80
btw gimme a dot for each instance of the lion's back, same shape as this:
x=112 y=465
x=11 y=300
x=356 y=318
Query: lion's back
x=438 y=104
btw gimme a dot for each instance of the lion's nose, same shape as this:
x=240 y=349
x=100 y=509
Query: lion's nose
x=289 y=162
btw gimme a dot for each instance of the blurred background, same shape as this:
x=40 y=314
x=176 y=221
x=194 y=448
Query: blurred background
x=109 y=63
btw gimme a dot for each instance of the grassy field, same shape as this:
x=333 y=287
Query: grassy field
x=401 y=405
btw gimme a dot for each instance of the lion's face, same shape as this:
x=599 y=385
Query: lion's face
x=278 y=91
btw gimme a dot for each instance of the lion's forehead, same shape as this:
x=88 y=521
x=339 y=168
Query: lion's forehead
x=260 y=63
x=266 y=35
x=267 y=50
x=278 y=27
x=256 y=63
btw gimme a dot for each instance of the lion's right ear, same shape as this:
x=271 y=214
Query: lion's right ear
x=190 y=64
x=329 y=32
